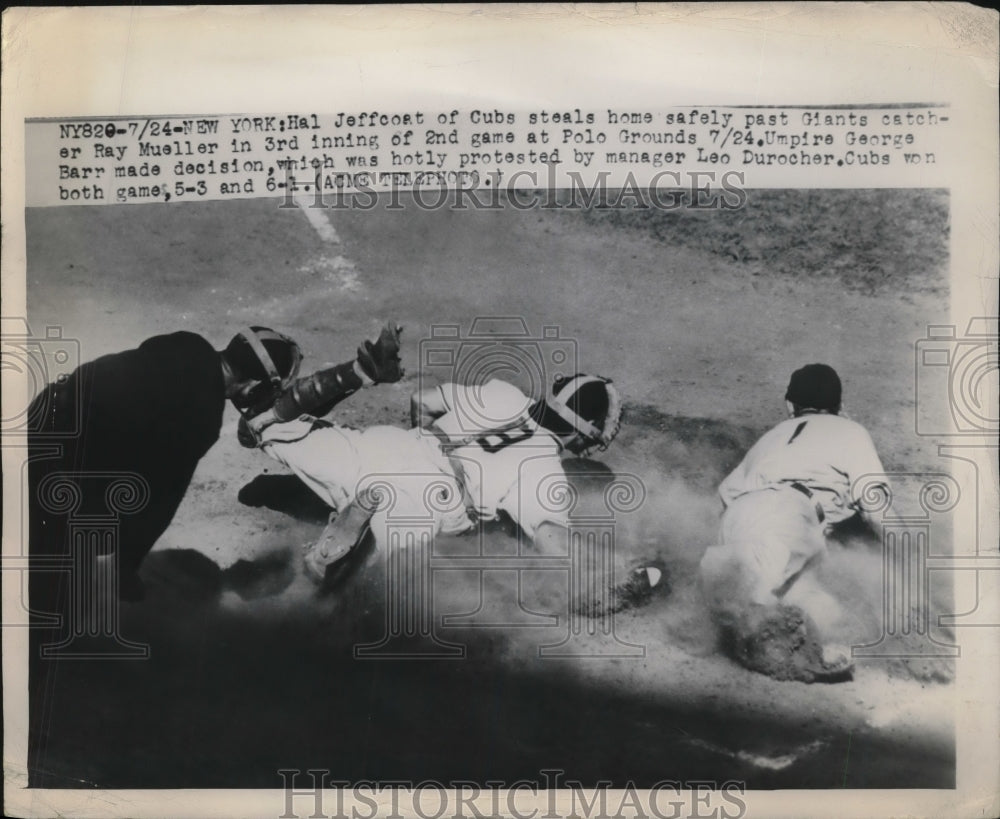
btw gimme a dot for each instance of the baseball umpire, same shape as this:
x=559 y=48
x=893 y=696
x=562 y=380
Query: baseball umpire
x=154 y=412
x=795 y=484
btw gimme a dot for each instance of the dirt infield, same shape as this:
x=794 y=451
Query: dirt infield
x=698 y=317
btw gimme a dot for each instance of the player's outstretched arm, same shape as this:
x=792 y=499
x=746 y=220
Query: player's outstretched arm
x=317 y=394
x=377 y=362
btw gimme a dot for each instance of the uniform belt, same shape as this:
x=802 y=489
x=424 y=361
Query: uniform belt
x=805 y=490
x=446 y=445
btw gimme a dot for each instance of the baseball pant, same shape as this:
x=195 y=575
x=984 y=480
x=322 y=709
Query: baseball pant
x=767 y=540
x=401 y=475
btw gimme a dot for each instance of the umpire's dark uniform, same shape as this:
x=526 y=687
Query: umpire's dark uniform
x=153 y=411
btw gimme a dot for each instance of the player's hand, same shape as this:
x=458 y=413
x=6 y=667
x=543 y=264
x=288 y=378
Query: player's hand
x=380 y=359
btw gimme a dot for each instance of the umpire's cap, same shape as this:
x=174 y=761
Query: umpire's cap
x=815 y=386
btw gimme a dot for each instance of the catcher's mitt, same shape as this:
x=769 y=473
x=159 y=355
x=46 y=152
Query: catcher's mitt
x=380 y=360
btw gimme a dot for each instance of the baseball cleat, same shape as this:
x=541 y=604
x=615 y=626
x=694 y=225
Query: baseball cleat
x=638 y=587
x=321 y=555
x=245 y=434
x=782 y=642
x=635 y=591
x=379 y=360
x=836 y=665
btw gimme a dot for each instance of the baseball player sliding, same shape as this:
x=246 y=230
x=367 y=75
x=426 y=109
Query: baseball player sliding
x=794 y=484
x=472 y=453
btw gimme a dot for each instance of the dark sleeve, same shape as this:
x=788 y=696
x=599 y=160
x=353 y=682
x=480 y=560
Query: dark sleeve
x=153 y=411
x=159 y=405
x=184 y=378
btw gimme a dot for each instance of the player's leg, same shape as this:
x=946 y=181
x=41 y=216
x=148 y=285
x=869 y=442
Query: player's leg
x=374 y=479
x=800 y=585
x=343 y=532
x=324 y=458
x=726 y=585
x=769 y=544
x=825 y=610
x=798 y=527
x=748 y=563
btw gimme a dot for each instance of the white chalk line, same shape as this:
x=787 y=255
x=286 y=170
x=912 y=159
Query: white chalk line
x=338 y=270
x=317 y=218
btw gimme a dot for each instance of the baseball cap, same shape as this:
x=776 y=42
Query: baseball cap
x=816 y=386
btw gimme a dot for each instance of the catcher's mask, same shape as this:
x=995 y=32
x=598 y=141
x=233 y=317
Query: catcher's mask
x=268 y=357
x=591 y=407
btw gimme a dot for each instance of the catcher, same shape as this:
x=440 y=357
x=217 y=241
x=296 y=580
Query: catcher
x=480 y=450
x=793 y=486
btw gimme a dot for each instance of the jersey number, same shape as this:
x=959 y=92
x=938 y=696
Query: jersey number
x=495 y=441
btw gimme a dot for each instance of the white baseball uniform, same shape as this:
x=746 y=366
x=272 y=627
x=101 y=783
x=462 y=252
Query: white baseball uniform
x=497 y=459
x=507 y=462
x=415 y=480
x=798 y=479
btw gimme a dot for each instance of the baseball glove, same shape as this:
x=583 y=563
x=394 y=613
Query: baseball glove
x=380 y=360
